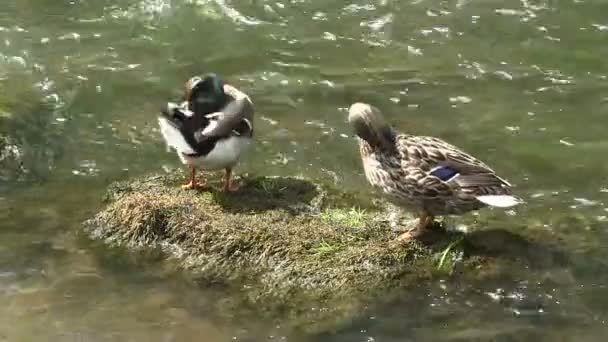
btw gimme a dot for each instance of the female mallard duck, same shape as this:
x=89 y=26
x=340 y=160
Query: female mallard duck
x=425 y=175
x=210 y=129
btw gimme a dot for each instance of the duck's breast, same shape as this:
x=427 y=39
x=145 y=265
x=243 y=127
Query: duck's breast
x=226 y=153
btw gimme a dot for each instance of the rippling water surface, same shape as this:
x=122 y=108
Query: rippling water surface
x=522 y=84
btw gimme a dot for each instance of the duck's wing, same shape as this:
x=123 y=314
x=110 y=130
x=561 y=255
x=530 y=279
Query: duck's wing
x=234 y=119
x=173 y=137
x=434 y=150
x=444 y=168
x=235 y=94
x=243 y=104
x=172 y=128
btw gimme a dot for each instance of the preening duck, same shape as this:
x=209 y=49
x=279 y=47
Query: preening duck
x=210 y=129
x=425 y=175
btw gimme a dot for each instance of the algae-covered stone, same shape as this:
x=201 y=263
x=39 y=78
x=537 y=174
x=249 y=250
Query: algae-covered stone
x=11 y=160
x=288 y=247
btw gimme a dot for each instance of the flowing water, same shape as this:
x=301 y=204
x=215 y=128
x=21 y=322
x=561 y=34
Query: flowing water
x=521 y=84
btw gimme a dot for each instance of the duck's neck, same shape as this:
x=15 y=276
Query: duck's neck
x=376 y=141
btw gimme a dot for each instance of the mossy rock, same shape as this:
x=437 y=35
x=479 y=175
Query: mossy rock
x=287 y=247
x=11 y=160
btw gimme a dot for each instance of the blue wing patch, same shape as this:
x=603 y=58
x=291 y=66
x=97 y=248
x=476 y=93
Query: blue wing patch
x=444 y=173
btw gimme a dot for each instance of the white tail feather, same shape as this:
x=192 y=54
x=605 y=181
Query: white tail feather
x=173 y=137
x=501 y=201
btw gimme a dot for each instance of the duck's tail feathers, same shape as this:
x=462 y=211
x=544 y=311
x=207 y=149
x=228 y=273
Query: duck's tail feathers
x=173 y=137
x=501 y=201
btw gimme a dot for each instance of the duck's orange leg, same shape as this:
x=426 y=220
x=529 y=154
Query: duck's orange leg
x=193 y=184
x=425 y=221
x=228 y=185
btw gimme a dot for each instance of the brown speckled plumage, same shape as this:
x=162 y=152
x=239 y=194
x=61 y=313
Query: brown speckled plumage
x=401 y=165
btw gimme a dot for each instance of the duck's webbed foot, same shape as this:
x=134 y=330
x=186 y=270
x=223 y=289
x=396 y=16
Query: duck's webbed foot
x=193 y=183
x=425 y=222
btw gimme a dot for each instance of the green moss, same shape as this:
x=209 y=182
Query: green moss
x=278 y=237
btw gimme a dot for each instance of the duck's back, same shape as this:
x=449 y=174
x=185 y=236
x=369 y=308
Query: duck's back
x=430 y=151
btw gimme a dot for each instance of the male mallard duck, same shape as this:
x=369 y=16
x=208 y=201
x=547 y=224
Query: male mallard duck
x=210 y=129
x=425 y=175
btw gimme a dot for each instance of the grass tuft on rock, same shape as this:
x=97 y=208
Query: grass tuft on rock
x=286 y=244
x=352 y=217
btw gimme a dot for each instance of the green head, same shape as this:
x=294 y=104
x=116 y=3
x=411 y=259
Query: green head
x=205 y=94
